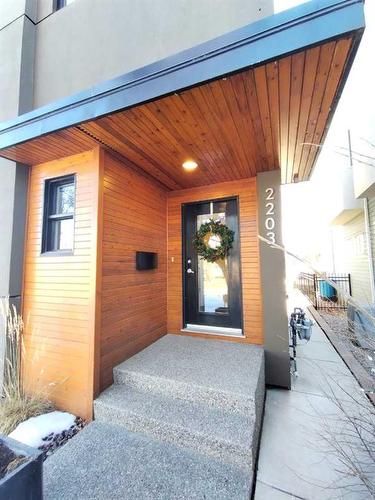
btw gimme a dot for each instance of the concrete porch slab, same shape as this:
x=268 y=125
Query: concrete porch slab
x=108 y=462
x=224 y=435
x=228 y=373
x=182 y=420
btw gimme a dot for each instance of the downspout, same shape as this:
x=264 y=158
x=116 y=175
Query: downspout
x=369 y=248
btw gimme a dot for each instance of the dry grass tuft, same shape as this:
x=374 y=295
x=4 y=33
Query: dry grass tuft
x=14 y=410
x=16 y=405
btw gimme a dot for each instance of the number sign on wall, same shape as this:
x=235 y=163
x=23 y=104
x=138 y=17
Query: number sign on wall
x=269 y=221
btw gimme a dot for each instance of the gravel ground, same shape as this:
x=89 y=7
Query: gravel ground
x=337 y=320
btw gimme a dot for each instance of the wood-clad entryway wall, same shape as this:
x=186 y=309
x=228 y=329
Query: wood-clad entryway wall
x=91 y=309
x=59 y=291
x=88 y=310
x=133 y=303
x=246 y=192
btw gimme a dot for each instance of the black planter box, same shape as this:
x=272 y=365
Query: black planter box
x=24 y=482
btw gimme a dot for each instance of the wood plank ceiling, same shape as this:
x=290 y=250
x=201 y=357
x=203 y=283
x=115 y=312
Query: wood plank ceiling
x=253 y=121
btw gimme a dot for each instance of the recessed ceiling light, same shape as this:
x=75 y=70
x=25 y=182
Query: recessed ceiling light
x=190 y=165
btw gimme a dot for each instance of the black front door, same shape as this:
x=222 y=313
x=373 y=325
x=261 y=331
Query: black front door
x=212 y=290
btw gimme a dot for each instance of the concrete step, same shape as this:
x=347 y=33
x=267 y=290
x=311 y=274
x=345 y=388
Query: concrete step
x=107 y=461
x=228 y=436
x=184 y=391
x=219 y=374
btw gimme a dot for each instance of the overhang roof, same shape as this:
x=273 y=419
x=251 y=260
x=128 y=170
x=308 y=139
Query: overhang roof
x=240 y=104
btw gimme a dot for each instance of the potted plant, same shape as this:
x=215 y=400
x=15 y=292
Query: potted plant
x=20 y=471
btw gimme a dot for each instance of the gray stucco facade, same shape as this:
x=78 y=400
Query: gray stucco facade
x=272 y=270
x=17 y=48
x=91 y=41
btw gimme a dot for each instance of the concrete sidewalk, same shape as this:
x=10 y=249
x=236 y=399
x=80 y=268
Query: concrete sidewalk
x=297 y=459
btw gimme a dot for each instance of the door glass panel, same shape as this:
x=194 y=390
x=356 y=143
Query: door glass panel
x=212 y=276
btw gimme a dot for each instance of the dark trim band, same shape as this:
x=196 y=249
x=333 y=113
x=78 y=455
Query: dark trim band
x=268 y=39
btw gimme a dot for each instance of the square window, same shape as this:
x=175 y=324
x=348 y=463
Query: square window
x=58 y=221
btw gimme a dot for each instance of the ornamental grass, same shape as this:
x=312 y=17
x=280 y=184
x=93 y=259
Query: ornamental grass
x=15 y=405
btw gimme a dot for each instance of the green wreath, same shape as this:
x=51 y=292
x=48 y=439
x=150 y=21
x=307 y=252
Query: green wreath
x=203 y=235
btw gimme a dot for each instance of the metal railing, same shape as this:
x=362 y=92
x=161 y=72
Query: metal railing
x=322 y=294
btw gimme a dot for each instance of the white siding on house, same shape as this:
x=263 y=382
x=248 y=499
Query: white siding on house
x=356 y=258
x=371 y=209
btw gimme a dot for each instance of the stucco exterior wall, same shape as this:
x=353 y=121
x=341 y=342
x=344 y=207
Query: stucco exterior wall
x=364 y=178
x=90 y=41
x=10 y=56
x=44 y=9
x=17 y=37
x=17 y=44
x=11 y=39
x=272 y=273
x=14 y=9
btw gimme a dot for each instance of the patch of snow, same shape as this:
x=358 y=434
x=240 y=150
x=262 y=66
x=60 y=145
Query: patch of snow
x=35 y=430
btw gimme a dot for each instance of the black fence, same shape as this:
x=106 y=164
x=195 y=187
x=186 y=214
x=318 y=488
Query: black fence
x=322 y=293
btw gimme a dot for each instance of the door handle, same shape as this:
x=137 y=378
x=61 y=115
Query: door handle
x=189 y=270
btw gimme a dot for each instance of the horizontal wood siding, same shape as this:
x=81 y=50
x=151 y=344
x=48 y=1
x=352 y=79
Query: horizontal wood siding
x=251 y=287
x=59 y=292
x=260 y=119
x=134 y=303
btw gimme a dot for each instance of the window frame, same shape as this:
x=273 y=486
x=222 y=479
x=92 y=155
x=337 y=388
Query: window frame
x=59 y=4
x=50 y=187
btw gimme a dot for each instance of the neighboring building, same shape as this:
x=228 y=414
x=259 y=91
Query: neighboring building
x=354 y=233
x=105 y=180
x=341 y=194
x=357 y=258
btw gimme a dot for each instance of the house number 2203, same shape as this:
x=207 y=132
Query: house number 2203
x=269 y=221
